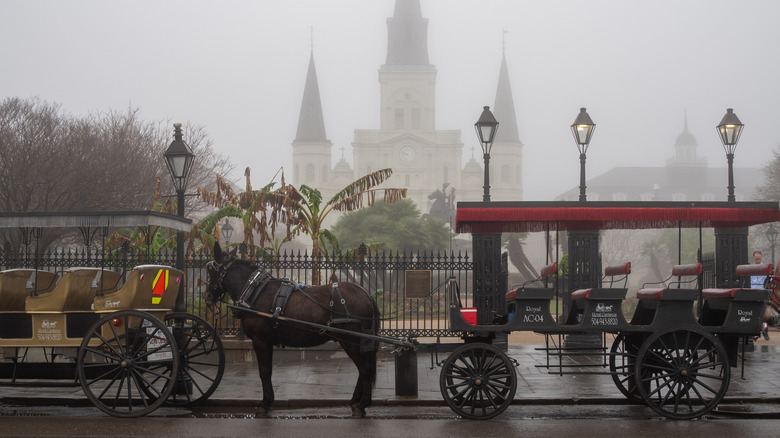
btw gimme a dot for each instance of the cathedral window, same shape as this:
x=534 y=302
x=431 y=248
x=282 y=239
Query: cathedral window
x=505 y=177
x=446 y=174
x=324 y=173
x=399 y=118
x=309 y=173
x=408 y=181
x=416 y=118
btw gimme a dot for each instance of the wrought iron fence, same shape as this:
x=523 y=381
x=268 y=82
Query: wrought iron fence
x=381 y=274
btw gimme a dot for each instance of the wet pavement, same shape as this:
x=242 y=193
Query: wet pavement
x=326 y=377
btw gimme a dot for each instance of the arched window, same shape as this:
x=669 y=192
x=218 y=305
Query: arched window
x=309 y=173
x=324 y=173
x=446 y=174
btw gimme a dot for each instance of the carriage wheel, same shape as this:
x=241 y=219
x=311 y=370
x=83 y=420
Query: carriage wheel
x=202 y=359
x=622 y=359
x=125 y=363
x=478 y=381
x=682 y=373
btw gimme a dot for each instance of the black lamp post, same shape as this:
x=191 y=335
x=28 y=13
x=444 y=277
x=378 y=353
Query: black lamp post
x=771 y=235
x=729 y=130
x=227 y=231
x=486 y=128
x=582 y=128
x=179 y=158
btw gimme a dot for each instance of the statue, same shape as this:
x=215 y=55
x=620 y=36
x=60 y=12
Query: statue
x=443 y=206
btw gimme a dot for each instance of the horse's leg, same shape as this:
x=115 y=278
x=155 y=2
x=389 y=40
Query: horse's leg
x=366 y=365
x=264 y=351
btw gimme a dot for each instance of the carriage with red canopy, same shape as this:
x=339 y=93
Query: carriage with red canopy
x=674 y=354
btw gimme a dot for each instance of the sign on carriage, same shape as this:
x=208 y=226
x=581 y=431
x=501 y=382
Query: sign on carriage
x=417 y=283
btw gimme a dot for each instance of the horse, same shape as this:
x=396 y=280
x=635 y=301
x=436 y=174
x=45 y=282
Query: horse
x=342 y=305
x=772 y=311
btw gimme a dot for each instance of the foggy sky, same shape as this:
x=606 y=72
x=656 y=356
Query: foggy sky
x=238 y=67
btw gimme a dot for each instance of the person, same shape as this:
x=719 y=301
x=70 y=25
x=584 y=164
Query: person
x=757 y=281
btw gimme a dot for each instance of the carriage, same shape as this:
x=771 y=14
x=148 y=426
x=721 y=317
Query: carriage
x=675 y=354
x=112 y=332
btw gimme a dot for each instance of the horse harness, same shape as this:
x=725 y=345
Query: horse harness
x=258 y=281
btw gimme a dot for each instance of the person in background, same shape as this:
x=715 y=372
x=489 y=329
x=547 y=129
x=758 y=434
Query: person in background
x=757 y=281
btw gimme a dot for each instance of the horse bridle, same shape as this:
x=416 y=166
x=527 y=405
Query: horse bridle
x=218 y=284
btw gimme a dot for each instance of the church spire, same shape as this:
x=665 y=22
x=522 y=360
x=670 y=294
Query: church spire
x=407 y=35
x=311 y=125
x=504 y=109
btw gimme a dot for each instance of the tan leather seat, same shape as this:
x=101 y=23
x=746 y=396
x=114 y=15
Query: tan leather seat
x=147 y=287
x=17 y=284
x=74 y=292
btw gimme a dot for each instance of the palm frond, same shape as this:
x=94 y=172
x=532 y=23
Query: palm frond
x=362 y=184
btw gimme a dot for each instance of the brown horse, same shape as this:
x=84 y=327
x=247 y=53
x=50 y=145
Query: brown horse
x=772 y=312
x=341 y=305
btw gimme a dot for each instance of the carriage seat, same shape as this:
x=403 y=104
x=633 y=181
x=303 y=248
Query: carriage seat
x=675 y=297
x=75 y=291
x=148 y=287
x=524 y=292
x=674 y=290
x=743 y=293
x=588 y=306
x=737 y=307
x=17 y=284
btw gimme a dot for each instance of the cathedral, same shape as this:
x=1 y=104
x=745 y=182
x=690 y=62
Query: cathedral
x=425 y=160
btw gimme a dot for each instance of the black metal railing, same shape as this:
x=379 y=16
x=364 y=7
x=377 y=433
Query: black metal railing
x=381 y=274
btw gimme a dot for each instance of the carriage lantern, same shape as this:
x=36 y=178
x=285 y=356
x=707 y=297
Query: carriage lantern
x=582 y=128
x=486 y=128
x=729 y=129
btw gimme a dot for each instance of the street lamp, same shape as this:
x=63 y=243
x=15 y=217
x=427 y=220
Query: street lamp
x=179 y=158
x=729 y=130
x=771 y=235
x=227 y=231
x=582 y=128
x=486 y=128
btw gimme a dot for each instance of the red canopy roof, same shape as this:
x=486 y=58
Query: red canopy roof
x=512 y=217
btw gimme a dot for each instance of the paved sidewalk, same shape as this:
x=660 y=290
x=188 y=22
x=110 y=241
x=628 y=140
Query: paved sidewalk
x=327 y=378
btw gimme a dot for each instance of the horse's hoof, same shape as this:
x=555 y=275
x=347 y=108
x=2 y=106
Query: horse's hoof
x=357 y=411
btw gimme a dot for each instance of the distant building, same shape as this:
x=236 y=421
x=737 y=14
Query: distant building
x=422 y=157
x=686 y=177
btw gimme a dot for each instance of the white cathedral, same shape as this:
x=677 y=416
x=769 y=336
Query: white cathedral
x=424 y=159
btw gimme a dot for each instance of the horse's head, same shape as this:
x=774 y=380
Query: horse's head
x=217 y=271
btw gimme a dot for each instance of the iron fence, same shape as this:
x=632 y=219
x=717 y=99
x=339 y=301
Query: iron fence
x=381 y=274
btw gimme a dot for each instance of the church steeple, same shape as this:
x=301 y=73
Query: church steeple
x=407 y=35
x=504 y=109
x=311 y=125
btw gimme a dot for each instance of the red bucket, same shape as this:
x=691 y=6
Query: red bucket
x=469 y=314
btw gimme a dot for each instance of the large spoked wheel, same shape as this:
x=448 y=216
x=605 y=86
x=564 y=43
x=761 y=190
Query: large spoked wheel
x=478 y=381
x=126 y=363
x=622 y=360
x=202 y=359
x=682 y=373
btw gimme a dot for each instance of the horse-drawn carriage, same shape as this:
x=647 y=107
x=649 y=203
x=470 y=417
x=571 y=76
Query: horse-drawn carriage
x=675 y=354
x=113 y=332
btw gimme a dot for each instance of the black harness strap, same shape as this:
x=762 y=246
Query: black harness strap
x=335 y=292
x=256 y=283
x=282 y=295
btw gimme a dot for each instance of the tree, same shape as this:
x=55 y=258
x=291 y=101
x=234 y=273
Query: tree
x=51 y=161
x=770 y=190
x=301 y=211
x=308 y=213
x=396 y=227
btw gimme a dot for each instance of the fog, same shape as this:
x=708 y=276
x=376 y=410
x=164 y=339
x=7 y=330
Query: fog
x=238 y=67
